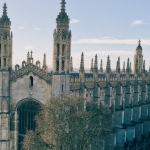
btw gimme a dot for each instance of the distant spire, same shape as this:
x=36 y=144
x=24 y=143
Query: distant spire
x=108 y=66
x=44 y=60
x=118 y=65
x=101 y=66
x=28 y=58
x=124 y=67
x=139 y=42
x=71 y=65
x=96 y=65
x=149 y=69
x=128 y=67
x=63 y=6
x=82 y=63
x=31 y=54
x=92 y=67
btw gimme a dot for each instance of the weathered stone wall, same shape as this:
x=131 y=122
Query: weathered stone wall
x=22 y=90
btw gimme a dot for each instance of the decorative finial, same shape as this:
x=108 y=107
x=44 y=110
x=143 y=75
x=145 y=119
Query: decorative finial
x=31 y=54
x=63 y=6
x=139 y=42
x=5 y=10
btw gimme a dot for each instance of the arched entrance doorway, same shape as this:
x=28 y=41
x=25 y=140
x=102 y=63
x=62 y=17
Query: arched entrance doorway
x=26 y=115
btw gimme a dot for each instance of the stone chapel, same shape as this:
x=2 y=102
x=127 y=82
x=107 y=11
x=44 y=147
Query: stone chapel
x=24 y=89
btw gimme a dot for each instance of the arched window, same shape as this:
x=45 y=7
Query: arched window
x=31 y=81
x=57 y=65
x=4 y=62
x=63 y=65
x=57 y=50
x=0 y=63
x=63 y=50
x=26 y=116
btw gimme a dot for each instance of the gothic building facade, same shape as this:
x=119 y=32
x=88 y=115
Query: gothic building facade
x=24 y=89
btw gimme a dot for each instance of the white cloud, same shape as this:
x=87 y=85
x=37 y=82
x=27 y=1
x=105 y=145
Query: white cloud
x=74 y=21
x=111 y=40
x=29 y=47
x=21 y=27
x=137 y=22
x=37 y=28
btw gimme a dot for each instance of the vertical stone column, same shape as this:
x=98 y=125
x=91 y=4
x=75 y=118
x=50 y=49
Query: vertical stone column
x=16 y=130
x=4 y=111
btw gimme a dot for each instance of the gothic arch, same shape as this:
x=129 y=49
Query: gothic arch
x=26 y=110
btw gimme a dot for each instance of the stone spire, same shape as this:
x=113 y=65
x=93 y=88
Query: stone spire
x=62 y=17
x=143 y=69
x=108 y=66
x=123 y=67
x=63 y=3
x=45 y=68
x=101 y=66
x=92 y=67
x=71 y=65
x=128 y=67
x=138 y=59
x=82 y=63
x=28 y=58
x=4 y=16
x=44 y=60
x=118 y=66
x=96 y=64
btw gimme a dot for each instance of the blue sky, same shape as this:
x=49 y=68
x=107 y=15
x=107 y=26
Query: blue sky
x=103 y=27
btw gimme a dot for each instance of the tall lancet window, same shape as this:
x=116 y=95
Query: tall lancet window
x=31 y=81
x=0 y=49
x=63 y=50
x=57 y=49
x=63 y=65
x=0 y=63
x=57 y=65
x=4 y=49
x=4 y=62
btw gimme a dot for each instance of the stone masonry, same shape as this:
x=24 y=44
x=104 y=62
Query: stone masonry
x=126 y=93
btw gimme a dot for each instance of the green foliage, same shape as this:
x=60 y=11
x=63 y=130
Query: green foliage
x=64 y=124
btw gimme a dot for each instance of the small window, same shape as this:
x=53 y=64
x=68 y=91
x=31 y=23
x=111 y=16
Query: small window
x=62 y=88
x=57 y=65
x=57 y=50
x=31 y=81
x=63 y=65
x=86 y=95
x=4 y=62
x=63 y=50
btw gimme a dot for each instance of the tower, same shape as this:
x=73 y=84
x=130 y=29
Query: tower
x=5 y=67
x=138 y=59
x=61 y=54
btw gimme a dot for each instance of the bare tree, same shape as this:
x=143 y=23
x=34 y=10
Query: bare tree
x=65 y=124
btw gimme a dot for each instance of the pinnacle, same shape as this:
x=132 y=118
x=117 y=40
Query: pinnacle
x=63 y=6
x=4 y=10
x=139 y=42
